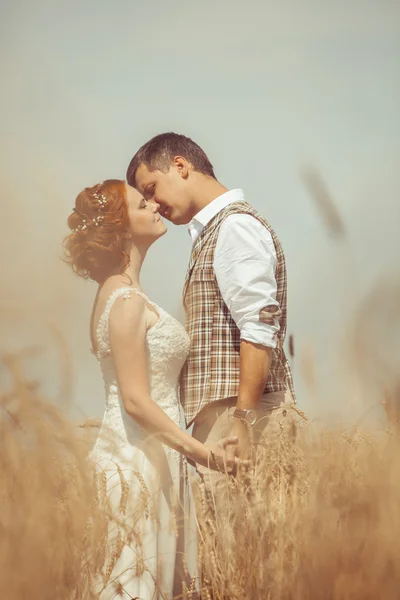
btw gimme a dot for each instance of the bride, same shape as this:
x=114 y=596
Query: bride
x=142 y=448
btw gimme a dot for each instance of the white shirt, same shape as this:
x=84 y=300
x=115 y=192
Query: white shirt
x=244 y=266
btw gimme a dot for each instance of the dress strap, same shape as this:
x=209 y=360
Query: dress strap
x=142 y=295
x=102 y=329
x=102 y=336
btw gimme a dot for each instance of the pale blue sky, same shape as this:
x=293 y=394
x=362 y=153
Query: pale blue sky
x=265 y=89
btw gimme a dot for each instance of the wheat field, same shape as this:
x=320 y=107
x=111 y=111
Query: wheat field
x=318 y=517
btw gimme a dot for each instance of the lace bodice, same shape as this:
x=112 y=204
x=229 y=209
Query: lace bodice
x=167 y=347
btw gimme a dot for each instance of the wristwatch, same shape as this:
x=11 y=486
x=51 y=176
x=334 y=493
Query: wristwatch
x=247 y=416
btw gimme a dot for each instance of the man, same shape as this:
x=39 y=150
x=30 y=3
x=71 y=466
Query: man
x=234 y=296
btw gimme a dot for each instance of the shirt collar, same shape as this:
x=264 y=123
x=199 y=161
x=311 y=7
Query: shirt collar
x=207 y=213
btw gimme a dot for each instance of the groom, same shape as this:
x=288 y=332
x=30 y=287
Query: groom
x=237 y=373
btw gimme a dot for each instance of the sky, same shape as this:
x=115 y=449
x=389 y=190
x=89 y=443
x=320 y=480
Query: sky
x=268 y=91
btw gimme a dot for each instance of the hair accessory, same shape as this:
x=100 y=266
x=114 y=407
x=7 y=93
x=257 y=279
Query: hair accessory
x=80 y=227
x=101 y=199
x=96 y=221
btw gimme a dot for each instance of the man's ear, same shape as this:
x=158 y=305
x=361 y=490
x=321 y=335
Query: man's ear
x=182 y=166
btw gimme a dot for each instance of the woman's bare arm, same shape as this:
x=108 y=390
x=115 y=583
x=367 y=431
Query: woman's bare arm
x=128 y=329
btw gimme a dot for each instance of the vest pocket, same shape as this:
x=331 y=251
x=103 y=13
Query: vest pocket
x=202 y=286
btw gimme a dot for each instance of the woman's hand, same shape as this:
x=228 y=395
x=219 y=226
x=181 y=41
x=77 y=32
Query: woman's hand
x=222 y=461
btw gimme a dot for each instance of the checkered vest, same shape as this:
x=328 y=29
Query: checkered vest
x=212 y=369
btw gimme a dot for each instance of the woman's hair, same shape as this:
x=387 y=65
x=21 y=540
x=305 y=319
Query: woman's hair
x=95 y=248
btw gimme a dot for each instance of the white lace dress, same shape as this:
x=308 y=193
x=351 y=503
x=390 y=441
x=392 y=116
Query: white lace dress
x=152 y=543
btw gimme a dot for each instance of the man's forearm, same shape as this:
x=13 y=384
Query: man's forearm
x=255 y=363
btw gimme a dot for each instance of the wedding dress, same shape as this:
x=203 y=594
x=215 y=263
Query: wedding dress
x=152 y=540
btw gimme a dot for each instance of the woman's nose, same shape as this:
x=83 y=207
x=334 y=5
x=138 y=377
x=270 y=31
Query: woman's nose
x=156 y=206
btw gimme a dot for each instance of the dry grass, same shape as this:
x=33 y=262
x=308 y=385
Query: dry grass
x=319 y=517
x=51 y=525
x=56 y=517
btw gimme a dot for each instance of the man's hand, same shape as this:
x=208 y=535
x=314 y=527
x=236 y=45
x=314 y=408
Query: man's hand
x=243 y=448
x=223 y=461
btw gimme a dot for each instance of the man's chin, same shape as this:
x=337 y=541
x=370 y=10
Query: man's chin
x=179 y=219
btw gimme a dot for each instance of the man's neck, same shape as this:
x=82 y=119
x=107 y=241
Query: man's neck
x=206 y=193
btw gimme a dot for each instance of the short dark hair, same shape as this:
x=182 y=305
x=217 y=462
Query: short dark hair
x=159 y=152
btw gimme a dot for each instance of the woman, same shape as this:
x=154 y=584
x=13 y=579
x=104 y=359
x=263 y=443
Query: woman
x=141 y=350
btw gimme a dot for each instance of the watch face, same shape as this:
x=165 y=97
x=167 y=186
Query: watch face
x=251 y=417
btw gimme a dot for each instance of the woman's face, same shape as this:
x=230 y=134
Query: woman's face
x=145 y=223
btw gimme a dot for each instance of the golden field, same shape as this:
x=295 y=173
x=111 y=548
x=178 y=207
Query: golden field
x=318 y=517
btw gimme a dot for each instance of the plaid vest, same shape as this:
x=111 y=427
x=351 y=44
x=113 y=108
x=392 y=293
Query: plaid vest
x=211 y=372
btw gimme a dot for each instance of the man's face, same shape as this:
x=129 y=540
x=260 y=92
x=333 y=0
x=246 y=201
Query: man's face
x=169 y=190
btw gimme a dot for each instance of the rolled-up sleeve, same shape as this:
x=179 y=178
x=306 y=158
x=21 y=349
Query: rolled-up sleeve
x=244 y=266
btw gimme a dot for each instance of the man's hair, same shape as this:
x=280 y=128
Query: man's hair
x=160 y=151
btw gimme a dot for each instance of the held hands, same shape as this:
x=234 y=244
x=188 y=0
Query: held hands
x=242 y=448
x=223 y=456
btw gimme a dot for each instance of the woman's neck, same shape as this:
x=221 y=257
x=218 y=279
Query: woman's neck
x=136 y=258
